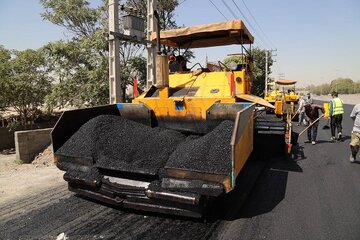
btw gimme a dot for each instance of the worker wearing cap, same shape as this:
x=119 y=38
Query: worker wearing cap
x=174 y=66
x=312 y=116
x=336 y=115
x=301 y=111
x=355 y=134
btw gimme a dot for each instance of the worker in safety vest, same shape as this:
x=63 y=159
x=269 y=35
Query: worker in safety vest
x=336 y=114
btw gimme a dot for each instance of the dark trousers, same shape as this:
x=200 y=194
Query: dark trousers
x=335 y=122
x=312 y=131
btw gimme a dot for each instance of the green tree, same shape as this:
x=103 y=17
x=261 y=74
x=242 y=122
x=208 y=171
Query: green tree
x=342 y=85
x=138 y=64
x=235 y=58
x=5 y=72
x=26 y=84
x=259 y=58
x=322 y=89
x=81 y=63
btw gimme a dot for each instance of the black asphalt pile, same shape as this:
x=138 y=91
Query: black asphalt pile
x=118 y=143
x=210 y=153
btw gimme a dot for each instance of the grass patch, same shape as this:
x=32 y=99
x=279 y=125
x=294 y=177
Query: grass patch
x=19 y=162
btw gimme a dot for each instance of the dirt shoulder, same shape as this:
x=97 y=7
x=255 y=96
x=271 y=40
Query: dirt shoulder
x=18 y=181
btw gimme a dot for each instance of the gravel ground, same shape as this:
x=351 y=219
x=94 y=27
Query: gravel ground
x=20 y=181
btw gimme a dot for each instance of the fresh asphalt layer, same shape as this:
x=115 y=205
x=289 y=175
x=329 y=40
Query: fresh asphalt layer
x=313 y=195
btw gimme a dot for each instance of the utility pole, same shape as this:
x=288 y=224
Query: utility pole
x=266 y=71
x=267 y=67
x=115 y=91
x=151 y=50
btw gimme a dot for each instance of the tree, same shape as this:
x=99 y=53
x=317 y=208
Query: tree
x=81 y=73
x=342 y=85
x=81 y=63
x=238 y=59
x=138 y=64
x=259 y=58
x=5 y=72
x=322 y=89
x=25 y=83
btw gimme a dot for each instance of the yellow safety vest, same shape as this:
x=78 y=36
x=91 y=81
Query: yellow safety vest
x=337 y=106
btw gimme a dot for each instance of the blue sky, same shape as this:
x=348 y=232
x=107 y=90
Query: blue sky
x=316 y=41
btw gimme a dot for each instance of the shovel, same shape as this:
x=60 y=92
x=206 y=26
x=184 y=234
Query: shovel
x=321 y=116
x=295 y=114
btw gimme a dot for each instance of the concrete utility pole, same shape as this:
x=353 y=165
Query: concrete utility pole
x=266 y=71
x=151 y=50
x=267 y=67
x=115 y=91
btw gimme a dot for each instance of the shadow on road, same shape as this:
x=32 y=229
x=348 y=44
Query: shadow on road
x=344 y=138
x=260 y=187
x=269 y=192
x=297 y=153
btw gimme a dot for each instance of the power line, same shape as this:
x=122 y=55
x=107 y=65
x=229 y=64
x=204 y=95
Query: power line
x=230 y=10
x=257 y=24
x=218 y=10
x=261 y=45
x=249 y=23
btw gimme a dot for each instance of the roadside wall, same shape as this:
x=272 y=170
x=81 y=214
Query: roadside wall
x=7 y=137
x=29 y=143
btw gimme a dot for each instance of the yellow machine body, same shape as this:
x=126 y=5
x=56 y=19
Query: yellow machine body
x=192 y=98
x=194 y=103
x=273 y=96
x=327 y=109
x=190 y=95
x=286 y=99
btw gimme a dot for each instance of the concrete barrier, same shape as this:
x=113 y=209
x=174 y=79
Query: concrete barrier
x=30 y=143
x=7 y=139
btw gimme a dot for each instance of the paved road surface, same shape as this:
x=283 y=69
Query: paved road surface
x=315 y=196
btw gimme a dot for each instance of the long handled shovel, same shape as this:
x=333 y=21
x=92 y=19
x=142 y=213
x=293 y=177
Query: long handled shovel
x=321 y=116
x=297 y=111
